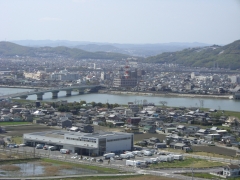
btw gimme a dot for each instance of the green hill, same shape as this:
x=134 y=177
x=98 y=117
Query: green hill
x=8 y=49
x=227 y=56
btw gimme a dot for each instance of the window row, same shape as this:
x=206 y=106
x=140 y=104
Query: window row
x=120 y=139
x=76 y=139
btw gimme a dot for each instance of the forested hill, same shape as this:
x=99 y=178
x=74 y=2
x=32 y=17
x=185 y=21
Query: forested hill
x=8 y=49
x=227 y=56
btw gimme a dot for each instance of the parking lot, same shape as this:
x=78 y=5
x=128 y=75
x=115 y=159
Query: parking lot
x=75 y=157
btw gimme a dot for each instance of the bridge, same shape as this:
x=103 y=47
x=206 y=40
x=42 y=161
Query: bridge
x=54 y=91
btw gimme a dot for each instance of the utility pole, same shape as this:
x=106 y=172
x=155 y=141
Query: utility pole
x=192 y=174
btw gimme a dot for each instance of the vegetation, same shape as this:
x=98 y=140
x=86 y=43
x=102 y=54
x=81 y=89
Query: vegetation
x=187 y=163
x=11 y=49
x=9 y=123
x=84 y=166
x=208 y=176
x=10 y=168
x=17 y=139
x=127 y=177
x=77 y=106
x=224 y=57
x=202 y=175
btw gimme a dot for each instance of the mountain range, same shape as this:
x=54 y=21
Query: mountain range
x=142 y=50
x=227 y=56
x=10 y=49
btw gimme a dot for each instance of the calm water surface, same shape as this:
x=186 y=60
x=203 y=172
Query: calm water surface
x=222 y=104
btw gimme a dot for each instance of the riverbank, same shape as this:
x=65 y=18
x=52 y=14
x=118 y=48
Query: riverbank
x=22 y=87
x=161 y=94
x=156 y=93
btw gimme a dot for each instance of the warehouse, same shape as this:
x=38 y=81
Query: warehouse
x=83 y=143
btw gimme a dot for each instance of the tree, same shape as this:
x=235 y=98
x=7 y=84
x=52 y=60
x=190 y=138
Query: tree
x=93 y=104
x=83 y=102
x=164 y=103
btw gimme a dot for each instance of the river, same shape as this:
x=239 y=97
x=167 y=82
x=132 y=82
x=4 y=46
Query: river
x=219 y=104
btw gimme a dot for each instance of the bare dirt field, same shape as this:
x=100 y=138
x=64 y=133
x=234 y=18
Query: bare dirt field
x=139 y=137
x=21 y=129
x=215 y=149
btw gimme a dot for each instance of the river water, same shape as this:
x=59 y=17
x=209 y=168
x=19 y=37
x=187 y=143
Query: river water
x=219 y=104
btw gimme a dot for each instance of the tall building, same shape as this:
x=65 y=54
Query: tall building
x=127 y=80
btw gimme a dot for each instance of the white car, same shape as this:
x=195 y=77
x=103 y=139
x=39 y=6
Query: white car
x=74 y=157
x=22 y=145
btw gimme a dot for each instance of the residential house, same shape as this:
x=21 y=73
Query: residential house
x=66 y=123
x=201 y=133
x=133 y=121
x=149 y=129
x=181 y=128
x=132 y=129
x=5 y=111
x=5 y=118
x=16 y=117
x=231 y=170
x=86 y=128
x=177 y=145
x=133 y=107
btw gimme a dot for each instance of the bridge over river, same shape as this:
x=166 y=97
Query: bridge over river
x=54 y=91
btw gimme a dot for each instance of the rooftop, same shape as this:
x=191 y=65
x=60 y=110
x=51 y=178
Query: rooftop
x=61 y=133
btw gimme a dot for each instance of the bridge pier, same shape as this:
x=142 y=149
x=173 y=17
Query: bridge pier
x=68 y=92
x=23 y=97
x=80 y=91
x=55 y=94
x=40 y=96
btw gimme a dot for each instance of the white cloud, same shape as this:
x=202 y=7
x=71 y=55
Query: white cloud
x=49 y=19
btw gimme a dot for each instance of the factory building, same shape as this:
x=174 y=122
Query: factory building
x=82 y=143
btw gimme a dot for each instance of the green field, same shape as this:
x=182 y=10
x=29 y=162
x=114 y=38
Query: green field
x=208 y=176
x=202 y=175
x=9 y=123
x=187 y=163
x=102 y=170
x=126 y=177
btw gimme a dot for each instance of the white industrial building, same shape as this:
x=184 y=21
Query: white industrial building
x=83 y=143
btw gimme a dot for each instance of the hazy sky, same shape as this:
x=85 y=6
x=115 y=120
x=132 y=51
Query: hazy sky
x=121 y=21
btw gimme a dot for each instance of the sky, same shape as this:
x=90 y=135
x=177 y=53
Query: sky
x=121 y=21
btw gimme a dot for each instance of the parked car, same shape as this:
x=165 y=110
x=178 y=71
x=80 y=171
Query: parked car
x=22 y=145
x=93 y=159
x=64 y=151
x=45 y=147
x=52 y=148
x=117 y=157
x=100 y=160
x=12 y=146
x=39 y=146
x=74 y=157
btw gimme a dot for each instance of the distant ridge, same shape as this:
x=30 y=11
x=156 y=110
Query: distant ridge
x=11 y=49
x=227 y=56
x=143 y=50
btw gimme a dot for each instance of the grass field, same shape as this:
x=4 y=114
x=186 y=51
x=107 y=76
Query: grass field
x=96 y=168
x=13 y=123
x=187 y=163
x=130 y=177
x=17 y=139
x=208 y=176
x=202 y=175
